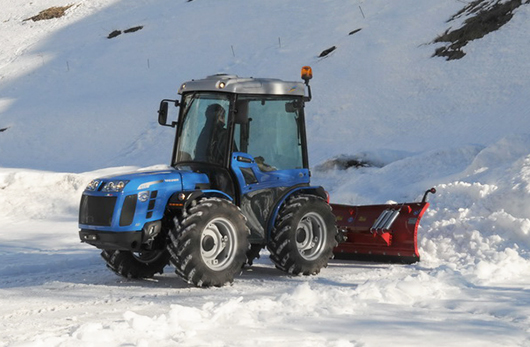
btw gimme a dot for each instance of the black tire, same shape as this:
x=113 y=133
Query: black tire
x=136 y=264
x=208 y=247
x=303 y=237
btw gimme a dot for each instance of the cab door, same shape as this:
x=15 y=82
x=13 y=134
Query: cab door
x=270 y=155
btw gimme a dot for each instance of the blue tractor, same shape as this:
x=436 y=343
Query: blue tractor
x=239 y=182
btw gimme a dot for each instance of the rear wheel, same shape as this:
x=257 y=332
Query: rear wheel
x=208 y=247
x=136 y=264
x=303 y=237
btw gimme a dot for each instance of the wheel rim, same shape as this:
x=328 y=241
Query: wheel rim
x=310 y=236
x=218 y=242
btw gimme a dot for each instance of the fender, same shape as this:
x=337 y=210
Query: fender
x=181 y=200
x=311 y=190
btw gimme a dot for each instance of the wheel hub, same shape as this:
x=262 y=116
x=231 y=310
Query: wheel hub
x=208 y=243
x=301 y=235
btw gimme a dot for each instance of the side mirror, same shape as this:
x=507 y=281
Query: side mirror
x=163 y=111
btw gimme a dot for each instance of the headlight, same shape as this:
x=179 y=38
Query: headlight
x=143 y=196
x=93 y=185
x=114 y=186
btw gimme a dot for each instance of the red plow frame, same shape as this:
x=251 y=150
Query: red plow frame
x=380 y=232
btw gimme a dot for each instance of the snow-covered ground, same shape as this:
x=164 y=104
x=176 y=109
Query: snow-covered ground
x=76 y=105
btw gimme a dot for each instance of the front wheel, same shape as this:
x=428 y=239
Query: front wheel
x=303 y=237
x=208 y=247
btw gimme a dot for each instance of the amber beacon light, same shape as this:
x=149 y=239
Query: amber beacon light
x=307 y=73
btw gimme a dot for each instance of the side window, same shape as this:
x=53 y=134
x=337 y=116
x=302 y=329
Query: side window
x=270 y=133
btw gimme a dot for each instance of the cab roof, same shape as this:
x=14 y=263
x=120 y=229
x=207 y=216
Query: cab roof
x=234 y=84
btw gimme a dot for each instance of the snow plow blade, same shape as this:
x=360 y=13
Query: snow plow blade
x=380 y=233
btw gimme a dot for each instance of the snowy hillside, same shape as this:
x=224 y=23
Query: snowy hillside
x=75 y=105
x=378 y=90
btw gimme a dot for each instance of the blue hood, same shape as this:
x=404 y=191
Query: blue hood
x=167 y=179
x=148 y=180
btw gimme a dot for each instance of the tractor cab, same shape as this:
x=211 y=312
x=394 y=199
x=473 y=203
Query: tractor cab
x=247 y=135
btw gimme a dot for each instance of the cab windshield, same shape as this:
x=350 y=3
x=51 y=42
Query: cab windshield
x=203 y=130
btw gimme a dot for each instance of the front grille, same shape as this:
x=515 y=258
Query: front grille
x=128 y=209
x=96 y=210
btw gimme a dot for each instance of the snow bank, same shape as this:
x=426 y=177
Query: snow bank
x=40 y=195
x=480 y=222
x=32 y=194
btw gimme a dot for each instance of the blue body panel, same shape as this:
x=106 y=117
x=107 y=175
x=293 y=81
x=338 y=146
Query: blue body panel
x=264 y=179
x=164 y=182
x=264 y=192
